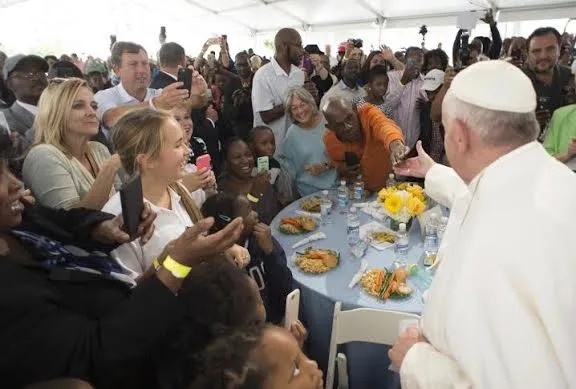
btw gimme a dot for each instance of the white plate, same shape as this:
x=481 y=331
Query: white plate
x=368 y=229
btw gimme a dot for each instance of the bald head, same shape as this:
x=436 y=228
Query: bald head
x=342 y=119
x=288 y=47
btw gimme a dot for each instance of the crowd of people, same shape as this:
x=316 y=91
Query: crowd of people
x=196 y=299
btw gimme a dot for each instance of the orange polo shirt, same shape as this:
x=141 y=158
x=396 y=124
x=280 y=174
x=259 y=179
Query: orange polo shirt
x=374 y=151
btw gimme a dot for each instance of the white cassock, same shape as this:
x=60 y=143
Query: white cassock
x=501 y=312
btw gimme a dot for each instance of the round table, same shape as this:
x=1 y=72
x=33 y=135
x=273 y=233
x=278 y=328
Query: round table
x=367 y=363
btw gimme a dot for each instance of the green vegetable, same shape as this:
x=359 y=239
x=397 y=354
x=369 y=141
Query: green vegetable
x=387 y=280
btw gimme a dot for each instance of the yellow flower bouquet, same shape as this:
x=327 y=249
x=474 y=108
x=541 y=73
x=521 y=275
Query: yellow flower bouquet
x=403 y=201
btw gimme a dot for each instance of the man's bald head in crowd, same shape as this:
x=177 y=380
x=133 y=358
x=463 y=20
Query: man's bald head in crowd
x=342 y=118
x=288 y=46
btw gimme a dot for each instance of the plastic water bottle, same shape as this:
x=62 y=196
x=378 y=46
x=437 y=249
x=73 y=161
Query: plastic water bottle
x=420 y=277
x=442 y=228
x=353 y=223
x=402 y=244
x=391 y=181
x=325 y=207
x=359 y=189
x=431 y=241
x=343 y=197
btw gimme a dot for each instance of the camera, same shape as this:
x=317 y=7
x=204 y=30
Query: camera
x=358 y=43
x=464 y=49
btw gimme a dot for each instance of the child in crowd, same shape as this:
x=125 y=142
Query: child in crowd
x=376 y=88
x=257 y=357
x=182 y=114
x=267 y=266
x=263 y=144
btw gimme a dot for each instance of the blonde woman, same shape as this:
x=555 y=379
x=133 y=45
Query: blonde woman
x=63 y=168
x=153 y=144
x=304 y=154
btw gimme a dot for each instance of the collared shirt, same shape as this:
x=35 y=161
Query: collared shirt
x=169 y=225
x=170 y=74
x=118 y=96
x=269 y=88
x=342 y=90
x=403 y=99
x=28 y=107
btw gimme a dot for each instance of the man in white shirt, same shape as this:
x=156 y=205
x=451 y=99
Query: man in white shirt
x=501 y=311
x=347 y=88
x=130 y=62
x=272 y=81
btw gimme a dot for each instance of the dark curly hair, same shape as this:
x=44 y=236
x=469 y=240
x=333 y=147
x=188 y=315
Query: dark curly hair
x=223 y=207
x=377 y=71
x=438 y=53
x=218 y=299
x=232 y=362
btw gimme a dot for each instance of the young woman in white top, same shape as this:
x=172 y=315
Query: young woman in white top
x=63 y=168
x=152 y=144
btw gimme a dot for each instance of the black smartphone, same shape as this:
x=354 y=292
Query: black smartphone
x=163 y=31
x=185 y=77
x=351 y=159
x=132 y=201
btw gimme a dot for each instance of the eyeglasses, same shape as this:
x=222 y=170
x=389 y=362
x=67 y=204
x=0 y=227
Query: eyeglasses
x=30 y=76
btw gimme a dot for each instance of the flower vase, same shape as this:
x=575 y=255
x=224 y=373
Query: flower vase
x=395 y=225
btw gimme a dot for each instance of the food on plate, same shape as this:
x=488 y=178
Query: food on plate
x=297 y=225
x=384 y=284
x=383 y=237
x=317 y=261
x=311 y=204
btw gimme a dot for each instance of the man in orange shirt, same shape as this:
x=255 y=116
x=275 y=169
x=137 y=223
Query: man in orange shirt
x=366 y=132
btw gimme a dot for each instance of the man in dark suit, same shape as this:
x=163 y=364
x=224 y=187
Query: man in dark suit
x=172 y=57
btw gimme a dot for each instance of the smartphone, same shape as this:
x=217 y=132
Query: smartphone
x=204 y=162
x=351 y=159
x=185 y=77
x=163 y=31
x=263 y=164
x=132 y=201
x=292 y=308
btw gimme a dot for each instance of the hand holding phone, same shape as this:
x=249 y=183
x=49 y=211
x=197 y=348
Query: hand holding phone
x=292 y=308
x=185 y=77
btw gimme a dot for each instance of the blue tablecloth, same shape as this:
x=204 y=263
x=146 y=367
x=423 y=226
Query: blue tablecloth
x=367 y=363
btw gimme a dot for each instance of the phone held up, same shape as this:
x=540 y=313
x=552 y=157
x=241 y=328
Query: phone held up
x=263 y=164
x=132 y=201
x=204 y=162
x=185 y=77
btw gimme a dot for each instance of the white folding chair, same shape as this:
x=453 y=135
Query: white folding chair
x=360 y=325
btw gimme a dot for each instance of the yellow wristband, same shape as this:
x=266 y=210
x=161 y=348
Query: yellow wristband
x=156 y=264
x=179 y=271
x=252 y=198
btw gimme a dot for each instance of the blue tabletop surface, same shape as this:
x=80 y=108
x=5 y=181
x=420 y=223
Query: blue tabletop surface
x=334 y=284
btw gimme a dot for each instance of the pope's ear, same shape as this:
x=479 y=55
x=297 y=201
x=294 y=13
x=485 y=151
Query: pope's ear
x=461 y=135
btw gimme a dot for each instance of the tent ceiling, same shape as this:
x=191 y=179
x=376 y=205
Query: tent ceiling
x=268 y=15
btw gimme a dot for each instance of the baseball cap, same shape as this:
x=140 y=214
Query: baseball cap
x=12 y=63
x=495 y=85
x=95 y=67
x=313 y=49
x=433 y=80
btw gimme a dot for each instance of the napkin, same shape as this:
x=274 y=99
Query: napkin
x=309 y=214
x=311 y=238
x=367 y=229
x=375 y=213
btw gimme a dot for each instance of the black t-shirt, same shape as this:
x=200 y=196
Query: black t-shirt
x=323 y=86
x=553 y=96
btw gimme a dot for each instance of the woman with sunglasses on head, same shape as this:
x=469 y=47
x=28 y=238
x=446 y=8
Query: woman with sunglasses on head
x=69 y=310
x=152 y=144
x=64 y=169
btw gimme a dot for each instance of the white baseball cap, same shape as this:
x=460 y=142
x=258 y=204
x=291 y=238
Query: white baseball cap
x=495 y=85
x=433 y=80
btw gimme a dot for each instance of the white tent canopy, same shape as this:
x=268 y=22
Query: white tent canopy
x=82 y=25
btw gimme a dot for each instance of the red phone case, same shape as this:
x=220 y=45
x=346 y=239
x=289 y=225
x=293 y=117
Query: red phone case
x=204 y=162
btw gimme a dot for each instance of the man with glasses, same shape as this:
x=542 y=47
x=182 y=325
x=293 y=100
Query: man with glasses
x=25 y=76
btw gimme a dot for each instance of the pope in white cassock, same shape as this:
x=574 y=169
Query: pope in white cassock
x=501 y=312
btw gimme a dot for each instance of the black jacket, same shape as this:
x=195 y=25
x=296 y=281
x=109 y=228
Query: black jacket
x=58 y=323
x=162 y=80
x=271 y=274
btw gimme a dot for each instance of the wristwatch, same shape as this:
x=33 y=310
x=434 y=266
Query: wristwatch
x=178 y=270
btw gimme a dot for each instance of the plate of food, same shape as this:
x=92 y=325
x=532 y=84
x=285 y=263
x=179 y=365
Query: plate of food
x=379 y=236
x=316 y=261
x=297 y=225
x=312 y=204
x=383 y=284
